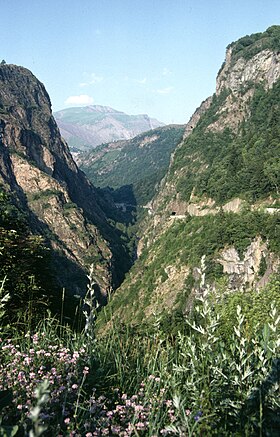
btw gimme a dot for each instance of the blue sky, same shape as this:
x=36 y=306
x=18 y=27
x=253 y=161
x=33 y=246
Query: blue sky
x=158 y=57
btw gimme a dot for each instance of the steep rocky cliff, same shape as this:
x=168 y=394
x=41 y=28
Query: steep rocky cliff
x=220 y=197
x=38 y=169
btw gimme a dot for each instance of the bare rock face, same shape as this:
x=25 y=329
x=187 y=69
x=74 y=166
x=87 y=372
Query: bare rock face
x=240 y=77
x=263 y=67
x=196 y=116
x=237 y=79
x=245 y=272
x=36 y=165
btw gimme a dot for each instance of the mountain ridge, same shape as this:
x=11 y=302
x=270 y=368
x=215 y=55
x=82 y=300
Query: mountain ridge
x=89 y=126
x=219 y=198
x=140 y=162
x=37 y=169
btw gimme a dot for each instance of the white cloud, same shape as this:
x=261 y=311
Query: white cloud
x=82 y=99
x=166 y=90
x=166 y=72
x=91 y=79
x=142 y=81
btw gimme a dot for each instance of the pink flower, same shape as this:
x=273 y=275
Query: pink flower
x=75 y=386
x=86 y=370
x=35 y=338
x=20 y=376
x=67 y=420
x=140 y=425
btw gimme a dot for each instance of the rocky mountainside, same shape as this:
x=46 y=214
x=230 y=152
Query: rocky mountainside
x=219 y=202
x=87 y=127
x=37 y=169
x=137 y=164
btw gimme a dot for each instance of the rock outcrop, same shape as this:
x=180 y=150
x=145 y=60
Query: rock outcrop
x=38 y=169
x=219 y=199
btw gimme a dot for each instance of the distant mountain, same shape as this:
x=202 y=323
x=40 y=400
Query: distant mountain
x=87 y=127
x=140 y=162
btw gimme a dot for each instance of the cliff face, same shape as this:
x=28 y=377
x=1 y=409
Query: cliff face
x=37 y=167
x=220 y=196
x=262 y=67
x=240 y=78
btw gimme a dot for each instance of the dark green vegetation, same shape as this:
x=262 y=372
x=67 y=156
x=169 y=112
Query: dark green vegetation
x=250 y=45
x=24 y=263
x=140 y=163
x=182 y=349
x=216 y=376
x=220 y=162
x=184 y=244
x=223 y=165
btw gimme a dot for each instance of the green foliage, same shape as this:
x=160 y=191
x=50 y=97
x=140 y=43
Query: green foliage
x=45 y=194
x=183 y=244
x=223 y=165
x=188 y=381
x=256 y=306
x=249 y=45
x=23 y=261
x=136 y=163
x=232 y=387
x=6 y=397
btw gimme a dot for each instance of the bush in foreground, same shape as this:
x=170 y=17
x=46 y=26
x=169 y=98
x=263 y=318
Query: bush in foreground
x=129 y=383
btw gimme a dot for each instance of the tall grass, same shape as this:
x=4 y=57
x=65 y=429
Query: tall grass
x=141 y=383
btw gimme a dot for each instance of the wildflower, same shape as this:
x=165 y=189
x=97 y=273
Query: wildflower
x=67 y=420
x=35 y=338
x=140 y=425
x=21 y=376
x=75 y=386
x=86 y=370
